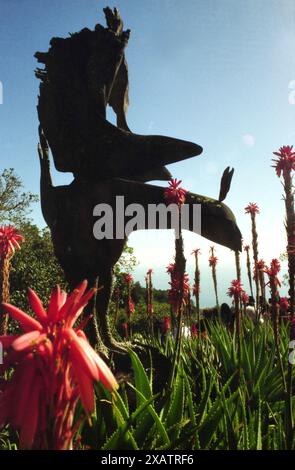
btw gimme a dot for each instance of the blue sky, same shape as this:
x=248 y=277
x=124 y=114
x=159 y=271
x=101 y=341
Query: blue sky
x=215 y=72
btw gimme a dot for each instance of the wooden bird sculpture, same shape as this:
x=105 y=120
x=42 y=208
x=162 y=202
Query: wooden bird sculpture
x=83 y=74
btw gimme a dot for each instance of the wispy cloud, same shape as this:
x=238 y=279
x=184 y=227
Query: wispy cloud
x=248 y=140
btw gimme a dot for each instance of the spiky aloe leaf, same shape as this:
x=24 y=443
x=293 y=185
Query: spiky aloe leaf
x=245 y=432
x=189 y=401
x=186 y=439
x=245 y=359
x=228 y=419
x=149 y=418
x=141 y=379
x=104 y=404
x=201 y=409
x=259 y=437
x=124 y=397
x=123 y=437
x=259 y=359
x=176 y=408
x=214 y=415
x=121 y=406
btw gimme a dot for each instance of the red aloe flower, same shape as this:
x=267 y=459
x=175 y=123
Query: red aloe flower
x=194 y=331
x=260 y=265
x=54 y=366
x=274 y=283
x=149 y=271
x=286 y=161
x=174 y=194
x=131 y=307
x=170 y=268
x=236 y=289
x=175 y=287
x=150 y=309
x=252 y=208
x=213 y=261
x=9 y=240
x=197 y=251
x=244 y=298
x=128 y=279
x=237 y=292
x=247 y=248
x=274 y=269
x=259 y=273
x=286 y=164
x=129 y=302
x=284 y=304
x=165 y=324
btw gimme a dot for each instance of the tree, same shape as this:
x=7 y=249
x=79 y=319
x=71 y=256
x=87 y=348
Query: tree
x=139 y=294
x=14 y=203
x=34 y=266
x=126 y=263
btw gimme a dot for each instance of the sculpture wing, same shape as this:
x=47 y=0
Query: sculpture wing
x=218 y=222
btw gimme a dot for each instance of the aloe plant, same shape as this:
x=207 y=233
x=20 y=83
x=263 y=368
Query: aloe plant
x=209 y=406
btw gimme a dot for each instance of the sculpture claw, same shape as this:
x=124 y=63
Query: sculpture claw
x=225 y=183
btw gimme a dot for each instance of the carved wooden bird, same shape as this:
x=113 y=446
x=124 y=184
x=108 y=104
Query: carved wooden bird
x=83 y=74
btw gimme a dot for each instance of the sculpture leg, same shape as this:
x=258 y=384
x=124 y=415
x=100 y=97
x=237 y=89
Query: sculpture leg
x=92 y=329
x=105 y=280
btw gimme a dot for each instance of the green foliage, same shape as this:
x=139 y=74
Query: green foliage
x=160 y=296
x=126 y=263
x=35 y=266
x=7 y=439
x=14 y=203
x=213 y=404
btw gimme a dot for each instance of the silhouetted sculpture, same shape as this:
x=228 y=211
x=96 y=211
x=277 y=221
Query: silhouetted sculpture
x=83 y=74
